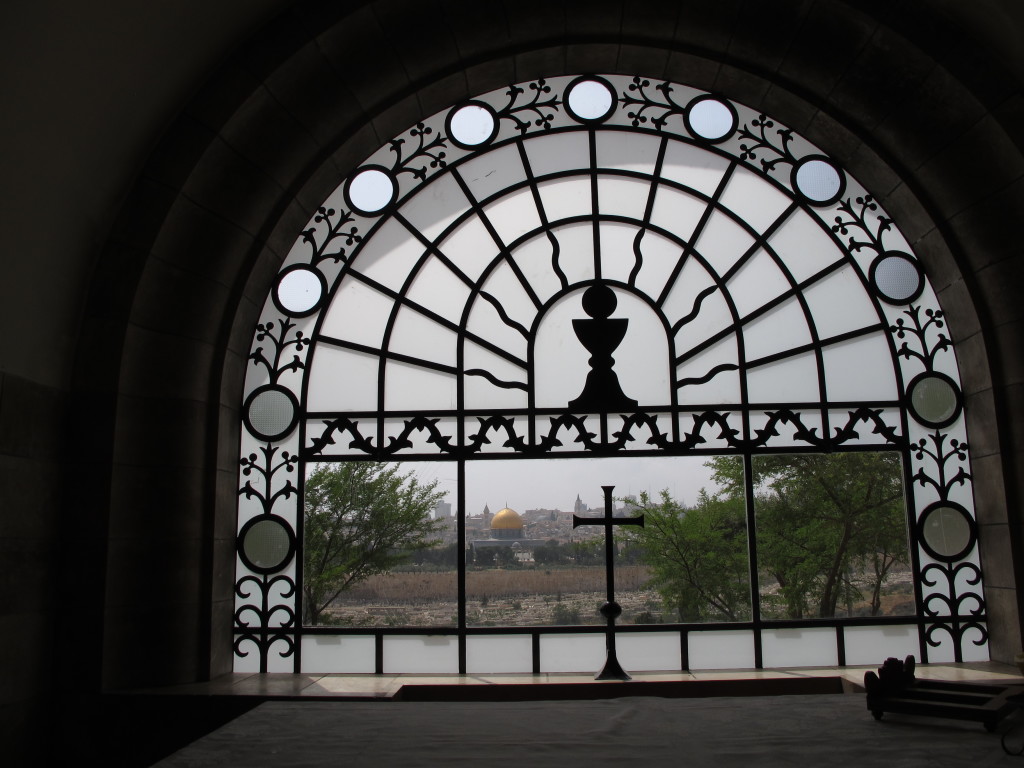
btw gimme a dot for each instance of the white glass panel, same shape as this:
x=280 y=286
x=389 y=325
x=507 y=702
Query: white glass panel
x=560 y=152
x=371 y=190
x=485 y=322
x=505 y=287
x=492 y=172
x=721 y=650
x=711 y=119
x=754 y=199
x=340 y=379
x=576 y=251
x=470 y=247
x=513 y=215
x=358 y=314
x=696 y=168
x=785 y=327
x=340 y=654
x=617 y=258
x=420 y=337
x=534 y=259
x=676 y=212
x=840 y=304
x=722 y=242
x=436 y=207
x=300 y=290
x=873 y=645
x=660 y=256
x=563 y=198
x=410 y=387
x=390 y=255
x=590 y=99
x=759 y=281
x=648 y=651
x=415 y=653
x=818 y=180
x=723 y=387
x=626 y=150
x=438 y=289
x=793 y=380
x=571 y=653
x=713 y=313
x=480 y=392
x=799 y=648
x=497 y=654
x=251 y=662
x=623 y=197
x=860 y=369
x=944 y=653
x=804 y=246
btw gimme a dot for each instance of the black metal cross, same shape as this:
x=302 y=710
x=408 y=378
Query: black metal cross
x=611 y=610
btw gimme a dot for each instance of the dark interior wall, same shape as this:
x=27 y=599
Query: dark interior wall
x=118 y=450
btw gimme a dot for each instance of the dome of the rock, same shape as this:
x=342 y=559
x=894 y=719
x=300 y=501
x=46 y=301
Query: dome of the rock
x=506 y=519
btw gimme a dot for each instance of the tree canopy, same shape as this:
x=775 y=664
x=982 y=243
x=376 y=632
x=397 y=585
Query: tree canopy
x=361 y=518
x=831 y=528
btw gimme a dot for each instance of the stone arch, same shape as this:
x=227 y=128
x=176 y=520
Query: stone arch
x=175 y=295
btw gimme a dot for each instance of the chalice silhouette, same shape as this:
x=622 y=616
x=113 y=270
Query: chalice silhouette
x=601 y=335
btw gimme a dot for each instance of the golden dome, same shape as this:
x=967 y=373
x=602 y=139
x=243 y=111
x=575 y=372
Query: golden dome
x=506 y=519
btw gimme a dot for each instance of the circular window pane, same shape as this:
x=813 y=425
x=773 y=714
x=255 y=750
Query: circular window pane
x=300 y=290
x=371 y=190
x=711 y=119
x=897 y=278
x=934 y=399
x=267 y=545
x=818 y=180
x=472 y=125
x=946 y=532
x=271 y=413
x=590 y=100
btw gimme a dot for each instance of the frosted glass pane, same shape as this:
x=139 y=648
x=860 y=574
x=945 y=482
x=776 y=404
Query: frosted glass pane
x=799 y=648
x=534 y=260
x=873 y=645
x=563 y=198
x=705 y=381
x=576 y=251
x=345 y=654
x=492 y=172
x=496 y=654
x=676 y=212
x=648 y=651
x=722 y=242
x=692 y=295
x=486 y=324
x=753 y=199
x=840 y=304
x=340 y=379
x=781 y=329
x=793 y=380
x=617 y=257
x=572 y=653
x=818 y=180
x=590 y=100
x=418 y=336
x=358 y=314
x=804 y=246
x=470 y=247
x=440 y=290
x=972 y=652
x=560 y=152
x=629 y=151
x=410 y=387
x=758 y=281
x=623 y=197
x=433 y=211
x=480 y=392
x=390 y=255
x=513 y=215
x=660 y=256
x=721 y=650
x=416 y=653
x=472 y=125
x=860 y=369
x=694 y=167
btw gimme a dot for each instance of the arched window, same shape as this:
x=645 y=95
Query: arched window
x=591 y=281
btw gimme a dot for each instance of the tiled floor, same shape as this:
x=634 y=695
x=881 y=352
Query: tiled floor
x=386 y=686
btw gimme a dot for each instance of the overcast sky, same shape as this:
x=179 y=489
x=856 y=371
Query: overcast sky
x=555 y=483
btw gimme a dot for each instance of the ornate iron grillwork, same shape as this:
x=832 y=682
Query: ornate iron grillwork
x=762 y=300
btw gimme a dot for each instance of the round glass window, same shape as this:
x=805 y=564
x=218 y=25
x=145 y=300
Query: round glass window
x=266 y=544
x=934 y=399
x=271 y=412
x=946 y=531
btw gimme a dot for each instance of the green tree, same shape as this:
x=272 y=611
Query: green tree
x=698 y=556
x=830 y=527
x=361 y=519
